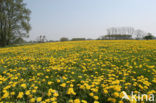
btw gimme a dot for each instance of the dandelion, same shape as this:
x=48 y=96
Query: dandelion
x=105 y=91
x=12 y=93
x=6 y=95
x=96 y=102
x=39 y=99
x=27 y=92
x=91 y=94
x=96 y=97
x=32 y=100
x=56 y=94
x=120 y=102
x=63 y=85
x=112 y=100
x=77 y=101
x=71 y=91
x=20 y=95
x=116 y=94
x=84 y=101
x=49 y=83
x=58 y=81
x=23 y=85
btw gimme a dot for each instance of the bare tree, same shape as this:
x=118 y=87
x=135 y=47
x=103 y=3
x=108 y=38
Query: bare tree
x=131 y=30
x=41 y=39
x=120 y=31
x=139 y=34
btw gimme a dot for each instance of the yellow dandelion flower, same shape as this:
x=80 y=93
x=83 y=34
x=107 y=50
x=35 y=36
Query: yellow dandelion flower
x=71 y=91
x=56 y=94
x=6 y=95
x=96 y=97
x=77 y=101
x=20 y=95
x=63 y=85
x=23 y=85
x=39 y=99
x=84 y=101
x=116 y=94
x=12 y=93
x=96 y=102
x=32 y=100
x=27 y=92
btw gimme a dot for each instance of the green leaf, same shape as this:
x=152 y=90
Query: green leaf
x=2 y=69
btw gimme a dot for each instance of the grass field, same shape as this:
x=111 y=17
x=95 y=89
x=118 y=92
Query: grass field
x=78 y=71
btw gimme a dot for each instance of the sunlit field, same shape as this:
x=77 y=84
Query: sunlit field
x=78 y=71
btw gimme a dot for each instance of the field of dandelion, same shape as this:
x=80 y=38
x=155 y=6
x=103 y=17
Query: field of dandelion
x=77 y=71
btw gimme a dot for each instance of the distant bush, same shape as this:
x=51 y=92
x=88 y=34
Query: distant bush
x=77 y=39
x=63 y=39
x=89 y=39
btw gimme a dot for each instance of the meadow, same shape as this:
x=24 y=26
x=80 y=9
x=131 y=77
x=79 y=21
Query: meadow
x=95 y=71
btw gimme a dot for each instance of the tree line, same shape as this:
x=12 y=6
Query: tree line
x=120 y=33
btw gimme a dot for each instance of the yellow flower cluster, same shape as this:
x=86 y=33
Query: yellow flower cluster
x=77 y=71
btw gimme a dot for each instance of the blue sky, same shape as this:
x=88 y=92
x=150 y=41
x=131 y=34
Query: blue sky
x=89 y=18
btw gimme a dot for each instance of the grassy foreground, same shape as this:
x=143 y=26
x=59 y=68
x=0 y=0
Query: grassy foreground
x=78 y=71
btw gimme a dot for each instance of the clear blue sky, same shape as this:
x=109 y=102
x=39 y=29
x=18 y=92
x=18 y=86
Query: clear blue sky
x=89 y=18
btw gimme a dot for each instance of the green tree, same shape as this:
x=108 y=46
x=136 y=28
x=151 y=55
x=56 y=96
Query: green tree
x=14 y=21
x=149 y=36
